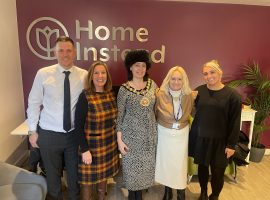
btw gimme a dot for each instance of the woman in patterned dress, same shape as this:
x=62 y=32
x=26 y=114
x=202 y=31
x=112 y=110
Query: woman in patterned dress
x=95 y=117
x=136 y=125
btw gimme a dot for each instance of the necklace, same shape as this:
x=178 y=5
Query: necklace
x=145 y=101
x=137 y=86
x=139 y=92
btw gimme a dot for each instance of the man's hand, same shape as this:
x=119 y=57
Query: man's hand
x=33 y=139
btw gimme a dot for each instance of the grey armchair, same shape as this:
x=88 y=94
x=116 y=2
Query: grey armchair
x=19 y=184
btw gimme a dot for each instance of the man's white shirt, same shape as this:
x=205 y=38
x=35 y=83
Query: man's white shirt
x=46 y=98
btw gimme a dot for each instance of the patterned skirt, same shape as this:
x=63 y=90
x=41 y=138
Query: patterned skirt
x=105 y=159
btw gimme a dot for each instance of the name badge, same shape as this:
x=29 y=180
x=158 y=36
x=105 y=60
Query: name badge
x=176 y=126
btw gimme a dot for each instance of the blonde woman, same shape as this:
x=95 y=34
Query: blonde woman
x=173 y=106
x=215 y=128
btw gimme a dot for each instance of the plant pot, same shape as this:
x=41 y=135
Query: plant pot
x=257 y=153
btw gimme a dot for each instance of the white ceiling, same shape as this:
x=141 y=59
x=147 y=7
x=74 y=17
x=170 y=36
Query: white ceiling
x=245 y=2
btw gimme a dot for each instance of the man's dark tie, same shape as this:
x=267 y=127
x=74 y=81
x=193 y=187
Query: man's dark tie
x=67 y=112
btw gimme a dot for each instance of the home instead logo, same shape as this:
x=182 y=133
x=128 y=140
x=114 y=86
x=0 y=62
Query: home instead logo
x=41 y=40
x=43 y=31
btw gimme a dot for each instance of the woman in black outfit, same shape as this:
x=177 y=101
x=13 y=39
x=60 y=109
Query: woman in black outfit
x=215 y=129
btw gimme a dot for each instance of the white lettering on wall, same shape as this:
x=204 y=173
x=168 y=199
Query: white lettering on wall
x=105 y=33
x=90 y=31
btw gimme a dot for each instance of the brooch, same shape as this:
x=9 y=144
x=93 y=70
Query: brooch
x=145 y=101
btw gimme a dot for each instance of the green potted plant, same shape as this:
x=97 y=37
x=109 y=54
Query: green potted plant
x=259 y=100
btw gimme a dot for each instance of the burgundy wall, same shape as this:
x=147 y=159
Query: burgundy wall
x=192 y=34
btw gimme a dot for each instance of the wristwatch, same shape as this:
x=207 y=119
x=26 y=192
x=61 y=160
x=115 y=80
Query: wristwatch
x=31 y=132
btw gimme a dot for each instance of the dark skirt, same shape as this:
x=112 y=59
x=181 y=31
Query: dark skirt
x=208 y=151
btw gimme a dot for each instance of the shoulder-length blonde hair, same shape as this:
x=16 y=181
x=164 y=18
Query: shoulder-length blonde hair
x=166 y=82
x=89 y=82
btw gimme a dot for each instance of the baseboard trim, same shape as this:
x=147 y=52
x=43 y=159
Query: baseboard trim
x=20 y=155
x=267 y=152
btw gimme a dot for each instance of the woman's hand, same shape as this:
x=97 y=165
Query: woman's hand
x=229 y=152
x=121 y=145
x=87 y=158
x=194 y=94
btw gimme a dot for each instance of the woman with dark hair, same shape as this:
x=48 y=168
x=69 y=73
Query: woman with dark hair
x=215 y=129
x=95 y=117
x=136 y=125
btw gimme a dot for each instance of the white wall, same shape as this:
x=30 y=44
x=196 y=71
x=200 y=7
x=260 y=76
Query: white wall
x=11 y=92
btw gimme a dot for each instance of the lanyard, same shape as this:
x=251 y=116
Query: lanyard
x=179 y=108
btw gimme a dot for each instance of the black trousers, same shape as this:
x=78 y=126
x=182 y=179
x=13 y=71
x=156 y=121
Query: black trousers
x=35 y=158
x=54 y=147
x=217 y=178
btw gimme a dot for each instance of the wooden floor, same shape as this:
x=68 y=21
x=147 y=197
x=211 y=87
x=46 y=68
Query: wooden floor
x=253 y=183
